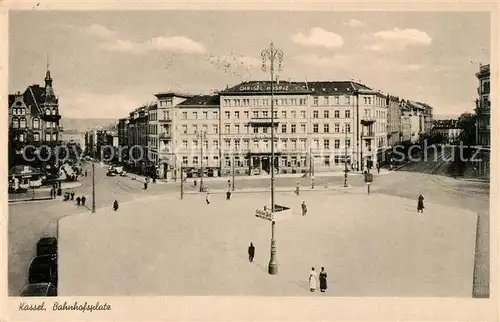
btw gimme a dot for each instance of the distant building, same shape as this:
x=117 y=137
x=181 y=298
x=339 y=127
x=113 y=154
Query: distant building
x=448 y=129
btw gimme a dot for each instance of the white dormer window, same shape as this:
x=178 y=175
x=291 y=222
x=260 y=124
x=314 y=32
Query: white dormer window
x=53 y=112
x=47 y=112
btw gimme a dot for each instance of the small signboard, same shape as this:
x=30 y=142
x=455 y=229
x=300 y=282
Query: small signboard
x=264 y=214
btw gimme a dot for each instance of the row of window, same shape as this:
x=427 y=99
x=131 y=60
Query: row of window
x=36 y=137
x=22 y=111
x=203 y=115
x=21 y=123
x=265 y=102
x=264 y=144
x=284 y=161
x=236 y=128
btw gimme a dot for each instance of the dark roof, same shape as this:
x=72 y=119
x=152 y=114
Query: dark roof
x=172 y=94
x=332 y=87
x=259 y=87
x=34 y=96
x=201 y=100
x=12 y=98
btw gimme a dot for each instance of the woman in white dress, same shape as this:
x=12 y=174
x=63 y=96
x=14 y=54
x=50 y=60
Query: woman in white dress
x=313 y=280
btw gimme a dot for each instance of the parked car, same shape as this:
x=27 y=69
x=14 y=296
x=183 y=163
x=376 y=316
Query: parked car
x=39 y=289
x=111 y=173
x=46 y=246
x=43 y=269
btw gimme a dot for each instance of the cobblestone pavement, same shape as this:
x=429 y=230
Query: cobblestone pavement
x=373 y=245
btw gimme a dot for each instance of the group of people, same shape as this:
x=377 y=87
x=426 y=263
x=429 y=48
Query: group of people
x=313 y=280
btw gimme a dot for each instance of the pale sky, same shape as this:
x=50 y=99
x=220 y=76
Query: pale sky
x=105 y=64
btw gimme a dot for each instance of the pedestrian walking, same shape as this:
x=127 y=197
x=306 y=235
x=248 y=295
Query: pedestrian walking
x=85 y=172
x=77 y=201
x=378 y=168
x=145 y=186
x=251 y=252
x=207 y=198
x=313 y=280
x=304 y=208
x=72 y=195
x=323 y=285
x=228 y=195
x=115 y=205
x=297 y=189
x=83 y=200
x=420 y=205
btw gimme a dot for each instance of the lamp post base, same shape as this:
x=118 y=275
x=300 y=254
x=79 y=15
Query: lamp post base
x=273 y=264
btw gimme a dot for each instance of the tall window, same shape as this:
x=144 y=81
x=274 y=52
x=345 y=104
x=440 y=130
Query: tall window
x=315 y=114
x=326 y=128
x=227 y=128
x=227 y=114
x=215 y=144
x=215 y=128
x=315 y=100
x=347 y=114
x=337 y=127
x=184 y=128
x=47 y=111
x=237 y=128
x=184 y=115
x=326 y=144
x=36 y=137
x=303 y=127
x=337 y=114
x=246 y=114
x=337 y=144
x=283 y=128
x=22 y=123
x=303 y=114
x=205 y=115
x=294 y=114
x=283 y=114
x=347 y=100
x=326 y=114
x=237 y=114
x=326 y=99
x=15 y=123
x=294 y=128
x=315 y=128
x=216 y=115
x=195 y=115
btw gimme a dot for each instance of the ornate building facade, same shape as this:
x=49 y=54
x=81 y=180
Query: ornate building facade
x=34 y=119
x=483 y=118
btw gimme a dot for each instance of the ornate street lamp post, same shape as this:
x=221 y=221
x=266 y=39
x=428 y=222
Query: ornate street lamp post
x=275 y=57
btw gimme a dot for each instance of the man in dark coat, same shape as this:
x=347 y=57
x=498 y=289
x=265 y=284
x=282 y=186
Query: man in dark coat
x=420 y=205
x=83 y=200
x=251 y=252
x=304 y=208
x=228 y=195
x=77 y=201
x=115 y=205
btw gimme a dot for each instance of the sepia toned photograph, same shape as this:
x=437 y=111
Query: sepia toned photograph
x=316 y=154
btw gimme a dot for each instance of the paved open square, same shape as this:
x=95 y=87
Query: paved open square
x=370 y=245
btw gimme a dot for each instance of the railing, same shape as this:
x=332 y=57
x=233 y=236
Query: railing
x=164 y=120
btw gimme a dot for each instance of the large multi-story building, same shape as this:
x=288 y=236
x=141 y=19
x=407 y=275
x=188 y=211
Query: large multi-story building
x=483 y=117
x=483 y=105
x=33 y=118
x=163 y=127
x=137 y=138
x=393 y=121
x=319 y=126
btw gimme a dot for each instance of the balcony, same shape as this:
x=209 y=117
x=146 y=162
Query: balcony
x=165 y=120
x=367 y=120
x=368 y=135
x=165 y=135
